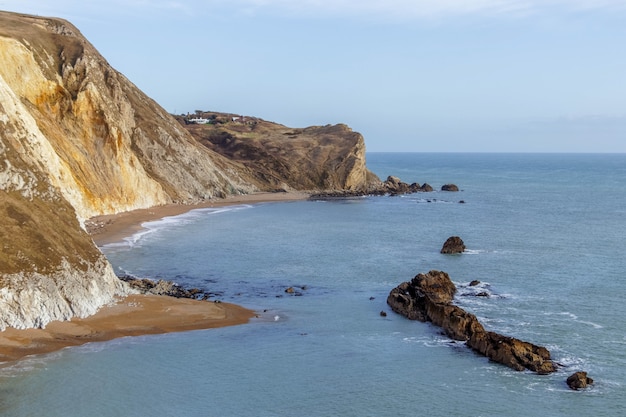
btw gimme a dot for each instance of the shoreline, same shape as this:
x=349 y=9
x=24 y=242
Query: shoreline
x=138 y=314
x=113 y=228
x=134 y=315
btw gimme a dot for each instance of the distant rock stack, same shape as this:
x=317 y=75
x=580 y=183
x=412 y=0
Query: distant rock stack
x=449 y=187
x=454 y=244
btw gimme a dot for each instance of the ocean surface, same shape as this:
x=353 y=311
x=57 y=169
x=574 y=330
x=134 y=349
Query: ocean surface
x=545 y=235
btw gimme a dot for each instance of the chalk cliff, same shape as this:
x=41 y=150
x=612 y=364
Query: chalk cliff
x=78 y=139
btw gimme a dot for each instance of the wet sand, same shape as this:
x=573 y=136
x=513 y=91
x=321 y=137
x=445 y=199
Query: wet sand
x=115 y=227
x=135 y=315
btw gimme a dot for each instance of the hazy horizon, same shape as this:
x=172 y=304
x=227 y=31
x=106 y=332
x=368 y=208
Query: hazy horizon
x=439 y=76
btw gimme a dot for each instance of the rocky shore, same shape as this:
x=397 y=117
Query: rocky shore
x=391 y=186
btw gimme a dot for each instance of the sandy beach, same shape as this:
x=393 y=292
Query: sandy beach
x=115 y=227
x=131 y=316
x=135 y=315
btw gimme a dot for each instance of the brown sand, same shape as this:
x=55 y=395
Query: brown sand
x=131 y=316
x=137 y=314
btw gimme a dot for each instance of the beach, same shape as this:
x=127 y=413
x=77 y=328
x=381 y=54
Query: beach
x=115 y=227
x=135 y=315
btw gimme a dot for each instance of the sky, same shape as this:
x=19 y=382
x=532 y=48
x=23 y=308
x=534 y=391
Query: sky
x=410 y=75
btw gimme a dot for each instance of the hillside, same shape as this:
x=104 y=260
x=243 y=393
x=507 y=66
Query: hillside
x=279 y=157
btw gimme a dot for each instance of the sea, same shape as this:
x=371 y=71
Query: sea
x=545 y=236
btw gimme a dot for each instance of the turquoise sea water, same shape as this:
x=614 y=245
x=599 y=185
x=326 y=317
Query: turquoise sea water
x=545 y=238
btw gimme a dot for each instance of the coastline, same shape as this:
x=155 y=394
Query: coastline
x=134 y=315
x=115 y=227
x=139 y=314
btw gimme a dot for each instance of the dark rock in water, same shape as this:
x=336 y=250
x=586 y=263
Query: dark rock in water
x=290 y=290
x=579 y=380
x=474 y=283
x=426 y=188
x=428 y=297
x=449 y=187
x=482 y=294
x=411 y=298
x=162 y=287
x=383 y=314
x=393 y=185
x=462 y=202
x=454 y=244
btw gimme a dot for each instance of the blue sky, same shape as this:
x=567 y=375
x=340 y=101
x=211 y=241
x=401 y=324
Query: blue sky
x=410 y=75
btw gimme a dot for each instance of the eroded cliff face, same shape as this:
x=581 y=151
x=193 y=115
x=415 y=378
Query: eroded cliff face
x=104 y=144
x=49 y=266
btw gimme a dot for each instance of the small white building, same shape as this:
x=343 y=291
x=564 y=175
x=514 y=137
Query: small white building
x=200 y=121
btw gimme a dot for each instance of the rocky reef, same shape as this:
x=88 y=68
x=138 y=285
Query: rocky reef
x=428 y=298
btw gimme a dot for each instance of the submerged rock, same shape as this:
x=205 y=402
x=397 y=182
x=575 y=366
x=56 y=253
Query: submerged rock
x=428 y=297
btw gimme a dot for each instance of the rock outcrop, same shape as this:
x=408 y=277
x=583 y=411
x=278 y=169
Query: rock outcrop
x=428 y=297
x=453 y=244
x=163 y=287
x=579 y=380
x=449 y=187
x=78 y=139
x=393 y=185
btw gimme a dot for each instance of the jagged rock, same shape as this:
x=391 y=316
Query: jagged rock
x=426 y=188
x=394 y=185
x=579 y=380
x=474 y=283
x=163 y=287
x=449 y=187
x=428 y=297
x=454 y=244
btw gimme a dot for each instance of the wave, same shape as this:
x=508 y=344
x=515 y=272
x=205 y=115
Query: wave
x=573 y=317
x=475 y=251
x=28 y=364
x=153 y=227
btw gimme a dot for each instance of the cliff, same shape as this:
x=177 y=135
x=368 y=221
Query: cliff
x=78 y=139
x=273 y=156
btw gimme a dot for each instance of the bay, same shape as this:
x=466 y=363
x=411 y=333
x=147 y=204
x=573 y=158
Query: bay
x=544 y=236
